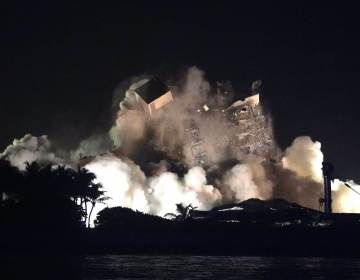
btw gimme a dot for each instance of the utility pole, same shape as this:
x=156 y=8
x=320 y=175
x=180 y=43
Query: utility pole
x=327 y=169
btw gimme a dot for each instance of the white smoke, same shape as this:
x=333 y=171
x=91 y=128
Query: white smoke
x=305 y=158
x=345 y=200
x=298 y=178
x=126 y=185
x=122 y=180
x=29 y=149
x=168 y=189
x=94 y=145
x=129 y=127
x=248 y=180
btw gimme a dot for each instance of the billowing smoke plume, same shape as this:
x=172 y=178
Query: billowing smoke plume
x=133 y=131
x=345 y=200
x=305 y=158
x=126 y=185
x=123 y=181
x=248 y=180
x=304 y=183
x=94 y=145
x=29 y=149
x=148 y=166
x=129 y=127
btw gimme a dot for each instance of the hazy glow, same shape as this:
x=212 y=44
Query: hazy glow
x=305 y=158
x=122 y=182
x=297 y=179
x=344 y=199
x=29 y=149
x=240 y=180
x=127 y=186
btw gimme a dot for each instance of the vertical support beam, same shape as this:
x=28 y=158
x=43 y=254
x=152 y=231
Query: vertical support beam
x=327 y=170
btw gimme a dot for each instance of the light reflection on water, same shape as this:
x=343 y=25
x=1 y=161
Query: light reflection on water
x=217 y=267
x=57 y=266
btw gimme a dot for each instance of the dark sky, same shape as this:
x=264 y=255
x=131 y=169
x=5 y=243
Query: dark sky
x=61 y=63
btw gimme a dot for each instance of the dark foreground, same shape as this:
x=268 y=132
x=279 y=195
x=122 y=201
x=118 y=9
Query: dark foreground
x=258 y=228
x=56 y=266
x=234 y=244
x=192 y=238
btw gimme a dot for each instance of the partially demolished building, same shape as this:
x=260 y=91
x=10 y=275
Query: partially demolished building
x=246 y=129
x=251 y=131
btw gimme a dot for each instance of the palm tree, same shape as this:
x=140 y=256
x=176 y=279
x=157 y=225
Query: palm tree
x=84 y=179
x=184 y=212
x=49 y=195
x=50 y=192
x=95 y=195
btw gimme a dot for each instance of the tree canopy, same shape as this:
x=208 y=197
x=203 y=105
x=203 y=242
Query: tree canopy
x=47 y=196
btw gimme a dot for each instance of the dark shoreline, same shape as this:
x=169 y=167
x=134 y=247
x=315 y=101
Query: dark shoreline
x=192 y=238
x=250 y=228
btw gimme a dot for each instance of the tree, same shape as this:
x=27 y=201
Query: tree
x=184 y=212
x=84 y=179
x=47 y=195
x=10 y=179
x=95 y=195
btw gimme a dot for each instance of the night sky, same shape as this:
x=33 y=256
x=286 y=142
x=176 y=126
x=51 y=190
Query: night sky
x=60 y=65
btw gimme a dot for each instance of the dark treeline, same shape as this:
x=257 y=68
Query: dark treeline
x=45 y=207
x=49 y=197
x=290 y=232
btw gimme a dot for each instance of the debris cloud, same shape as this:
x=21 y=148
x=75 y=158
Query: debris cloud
x=189 y=142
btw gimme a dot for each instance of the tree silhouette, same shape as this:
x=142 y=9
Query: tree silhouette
x=10 y=179
x=46 y=195
x=95 y=195
x=184 y=212
x=84 y=179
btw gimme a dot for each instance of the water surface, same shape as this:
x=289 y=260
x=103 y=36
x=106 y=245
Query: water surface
x=178 y=267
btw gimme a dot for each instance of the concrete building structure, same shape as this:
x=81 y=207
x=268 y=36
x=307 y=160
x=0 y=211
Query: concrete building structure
x=243 y=129
x=152 y=95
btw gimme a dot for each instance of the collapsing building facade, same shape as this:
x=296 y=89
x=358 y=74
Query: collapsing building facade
x=242 y=129
x=246 y=129
x=250 y=131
